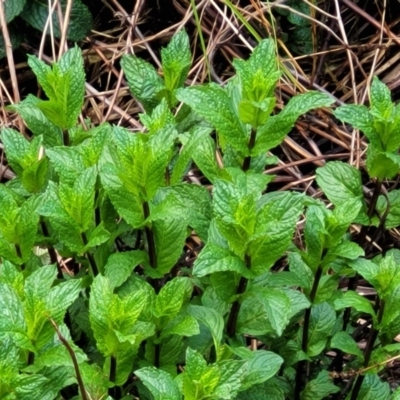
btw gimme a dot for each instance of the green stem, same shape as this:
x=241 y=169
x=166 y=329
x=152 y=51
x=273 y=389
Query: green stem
x=89 y=256
x=233 y=315
x=252 y=142
x=304 y=342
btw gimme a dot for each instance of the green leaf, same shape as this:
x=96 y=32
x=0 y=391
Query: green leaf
x=64 y=85
x=126 y=203
x=112 y=317
x=319 y=388
x=176 y=60
x=278 y=126
x=81 y=209
x=260 y=73
x=197 y=135
x=172 y=297
x=64 y=227
x=322 y=321
x=277 y=307
x=183 y=325
x=214 y=105
x=211 y=319
x=204 y=155
x=195 y=364
x=393 y=215
x=67 y=162
x=382 y=165
x=143 y=80
x=37 y=122
x=160 y=384
x=217 y=259
x=267 y=391
x=360 y=117
x=169 y=238
x=12 y=8
x=373 y=388
x=263 y=366
x=340 y=182
x=385 y=276
x=121 y=265
x=381 y=99
x=12 y=320
x=191 y=200
x=80 y=21
x=301 y=270
x=275 y=225
x=344 y=342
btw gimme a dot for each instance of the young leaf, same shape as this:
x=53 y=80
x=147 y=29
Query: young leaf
x=172 y=297
x=211 y=319
x=204 y=155
x=322 y=321
x=64 y=85
x=160 y=384
x=259 y=74
x=344 y=342
x=355 y=300
x=373 y=388
x=340 y=182
x=381 y=101
x=275 y=225
x=143 y=80
x=214 y=105
x=360 y=118
x=169 y=237
x=12 y=322
x=37 y=122
x=277 y=127
x=393 y=216
x=176 y=60
x=263 y=366
x=319 y=388
x=277 y=307
x=214 y=259
x=120 y=265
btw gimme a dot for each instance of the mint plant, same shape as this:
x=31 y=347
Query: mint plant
x=120 y=278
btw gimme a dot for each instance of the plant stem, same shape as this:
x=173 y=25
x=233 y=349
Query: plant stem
x=233 y=315
x=31 y=358
x=112 y=375
x=74 y=361
x=89 y=256
x=150 y=237
x=304 y=341
x=19 y=254
x=65 y=138
x=50 y=249
x=336 y=364
x=252 y=142
x=368 y=350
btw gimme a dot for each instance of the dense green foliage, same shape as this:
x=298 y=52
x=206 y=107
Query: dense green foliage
x=127 y=316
